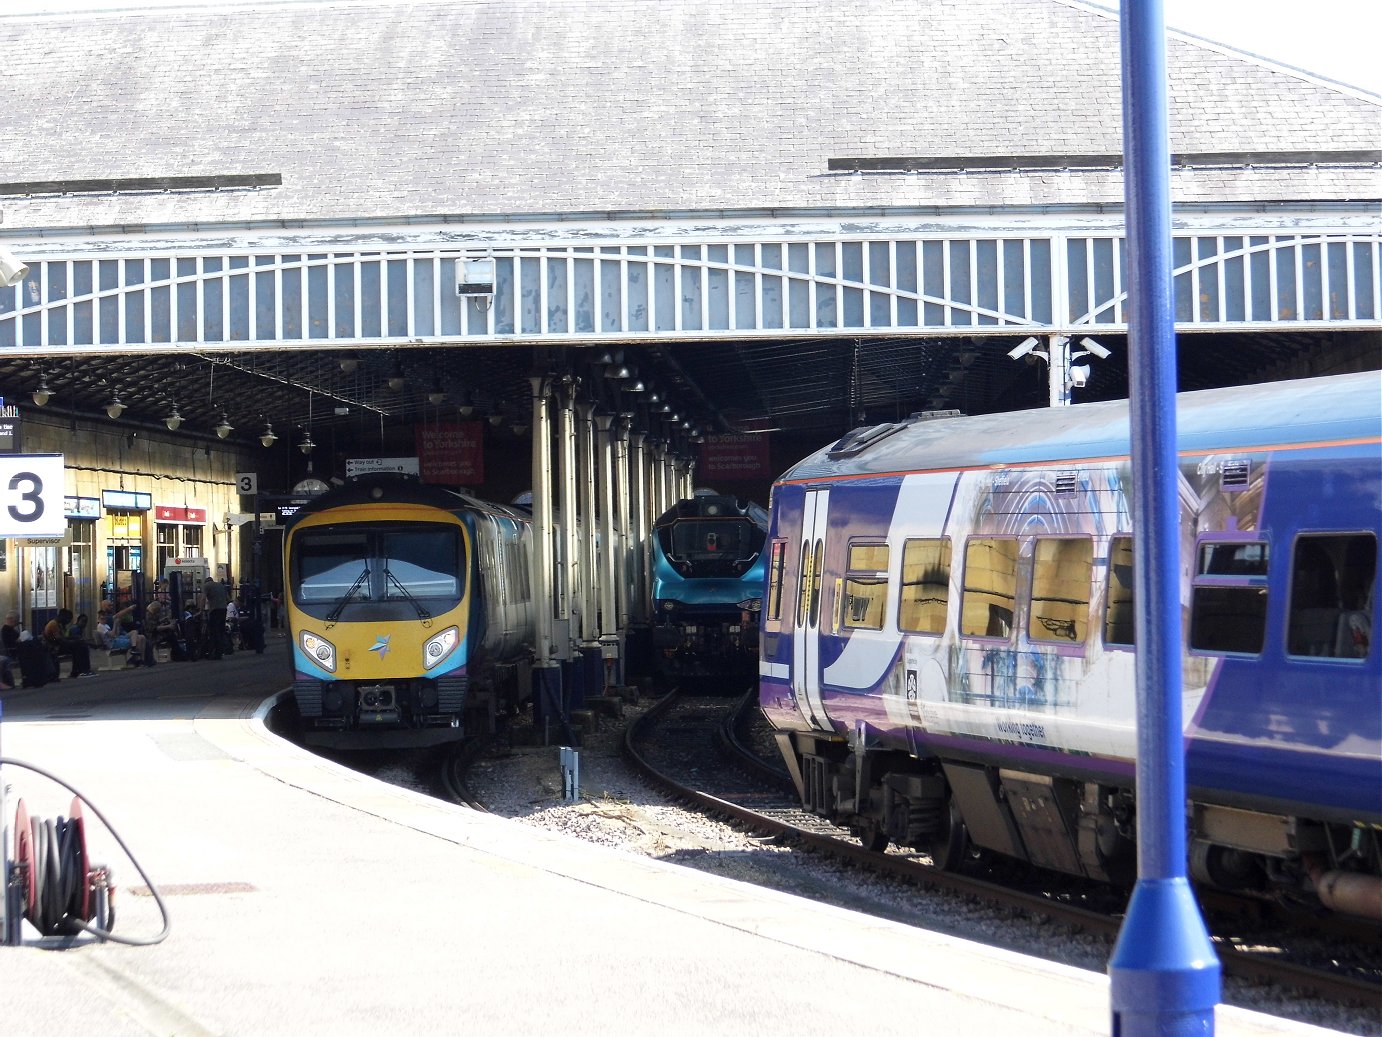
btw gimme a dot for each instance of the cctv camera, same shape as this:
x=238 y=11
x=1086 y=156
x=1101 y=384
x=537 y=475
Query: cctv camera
x=1079 y=375
x=1023 y=348
x=12 y=270
x=1095 y=348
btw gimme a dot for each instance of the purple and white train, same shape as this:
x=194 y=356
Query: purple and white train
x=947 y=646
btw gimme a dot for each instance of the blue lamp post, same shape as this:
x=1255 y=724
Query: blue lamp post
x=1164 y=974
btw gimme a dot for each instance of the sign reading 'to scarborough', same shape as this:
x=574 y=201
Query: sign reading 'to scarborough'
x=31 y=489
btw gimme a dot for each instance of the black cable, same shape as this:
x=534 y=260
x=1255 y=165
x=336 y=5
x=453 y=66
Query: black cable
x=52 y=870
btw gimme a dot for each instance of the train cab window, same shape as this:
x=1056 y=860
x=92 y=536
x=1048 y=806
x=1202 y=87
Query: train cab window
x=776 y=561
x=866 y=587
x=329 y=564
x=1332 y=579
x=421 y=562
x=990 y=587
x=1118 y=607
x=925 y=597
x=1228 y=597
x=1062 y=572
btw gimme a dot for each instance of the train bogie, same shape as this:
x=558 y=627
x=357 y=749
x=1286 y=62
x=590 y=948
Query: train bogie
x=948 y=649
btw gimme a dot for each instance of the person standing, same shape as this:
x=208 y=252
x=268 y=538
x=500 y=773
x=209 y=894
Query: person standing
x=215 y=598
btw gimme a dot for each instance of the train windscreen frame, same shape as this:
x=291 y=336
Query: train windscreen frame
x=377 y=562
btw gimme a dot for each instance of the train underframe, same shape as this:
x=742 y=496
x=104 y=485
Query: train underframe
x=956 y=809
x=704 y=650
x=404 y=712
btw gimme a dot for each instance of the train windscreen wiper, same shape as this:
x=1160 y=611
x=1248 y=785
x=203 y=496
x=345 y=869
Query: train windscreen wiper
x=422 y=612
x=333 y=617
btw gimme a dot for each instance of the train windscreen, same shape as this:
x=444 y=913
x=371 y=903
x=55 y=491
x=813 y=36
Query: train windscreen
x=376 y=563
x=712 y=547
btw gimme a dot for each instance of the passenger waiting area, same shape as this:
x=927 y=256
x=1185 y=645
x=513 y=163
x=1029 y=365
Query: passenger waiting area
x=126 y=638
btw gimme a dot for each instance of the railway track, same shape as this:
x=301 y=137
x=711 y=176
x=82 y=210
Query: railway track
x=669 y=743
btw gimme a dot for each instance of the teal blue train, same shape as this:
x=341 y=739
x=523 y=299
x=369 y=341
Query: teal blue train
x=708 y=574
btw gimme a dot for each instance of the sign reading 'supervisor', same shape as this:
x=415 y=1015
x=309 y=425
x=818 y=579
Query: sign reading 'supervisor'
x=31 y=495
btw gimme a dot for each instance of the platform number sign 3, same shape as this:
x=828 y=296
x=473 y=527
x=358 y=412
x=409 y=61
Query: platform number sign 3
x=31 y=489
x=247 y=483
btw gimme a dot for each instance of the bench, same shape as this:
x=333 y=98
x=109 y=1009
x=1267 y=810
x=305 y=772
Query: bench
x=108 y=658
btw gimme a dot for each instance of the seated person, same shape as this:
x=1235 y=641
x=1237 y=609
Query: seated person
x=58 y=638
x=9 y=634
x=9 y=649
x=159 y=628
x=103 y=632
x=116 y=631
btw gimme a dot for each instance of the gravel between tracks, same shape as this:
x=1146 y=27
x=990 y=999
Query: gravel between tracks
x=618 y=808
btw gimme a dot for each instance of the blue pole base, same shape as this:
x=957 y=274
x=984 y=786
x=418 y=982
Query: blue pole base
x=1164 y=975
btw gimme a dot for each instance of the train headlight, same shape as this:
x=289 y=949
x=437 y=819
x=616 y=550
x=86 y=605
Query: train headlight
x=752 y=605
x=320 y=651
x=439 y=647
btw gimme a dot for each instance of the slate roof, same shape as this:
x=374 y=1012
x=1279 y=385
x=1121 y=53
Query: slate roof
x=525 y=108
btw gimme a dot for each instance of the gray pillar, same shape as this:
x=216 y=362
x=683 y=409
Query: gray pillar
x=585 y=435
x=657 y=469
x=622 y=511
x=609 y=611
x=638 y=508
x=543 y=533
x=567 y=602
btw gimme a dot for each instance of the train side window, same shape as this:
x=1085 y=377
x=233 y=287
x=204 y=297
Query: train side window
x=1062 y=571
x=804 y=583
x=866 y=586
x=777 y=559
x=1118 y=608
x=990 y=587
x=925 y=597
x=1228 y=597
x=813 y=615
x=1331 y=595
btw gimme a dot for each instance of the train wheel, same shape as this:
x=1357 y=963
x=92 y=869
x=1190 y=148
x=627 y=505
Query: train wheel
x=871 y=834
x=949 y=846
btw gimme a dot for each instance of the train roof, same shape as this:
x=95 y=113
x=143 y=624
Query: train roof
x=1335 y=408
x=706 y=505
x=396 y=489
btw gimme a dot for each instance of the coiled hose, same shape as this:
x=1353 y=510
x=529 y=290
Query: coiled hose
x=60 y=877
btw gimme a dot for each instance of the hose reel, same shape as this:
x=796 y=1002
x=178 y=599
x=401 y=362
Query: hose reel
x=51 y=880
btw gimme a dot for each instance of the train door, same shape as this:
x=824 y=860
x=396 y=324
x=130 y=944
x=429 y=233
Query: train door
x=806 y=662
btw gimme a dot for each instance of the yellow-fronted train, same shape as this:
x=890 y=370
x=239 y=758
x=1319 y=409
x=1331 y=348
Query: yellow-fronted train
x=410 y=613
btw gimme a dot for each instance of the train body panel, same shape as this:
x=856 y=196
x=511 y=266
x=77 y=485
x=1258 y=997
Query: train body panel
x=409 y=612
x=951 y=601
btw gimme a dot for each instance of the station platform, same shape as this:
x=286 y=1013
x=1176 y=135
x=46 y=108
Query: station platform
x=308 y=899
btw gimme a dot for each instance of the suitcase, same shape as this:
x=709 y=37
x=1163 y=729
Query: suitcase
x=36 y=664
